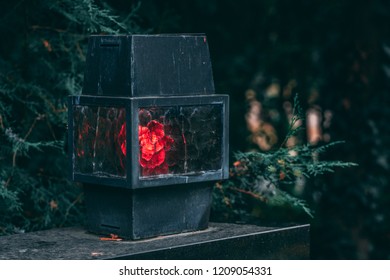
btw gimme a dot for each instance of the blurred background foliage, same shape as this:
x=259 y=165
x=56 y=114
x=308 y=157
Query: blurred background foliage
x=42 y=57
x=335 y=54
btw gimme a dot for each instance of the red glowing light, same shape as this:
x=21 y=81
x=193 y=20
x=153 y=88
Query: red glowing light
x=122 y=139
x=153 y=145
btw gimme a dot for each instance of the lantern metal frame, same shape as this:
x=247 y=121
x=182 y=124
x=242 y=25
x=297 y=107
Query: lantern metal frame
x=131 y=105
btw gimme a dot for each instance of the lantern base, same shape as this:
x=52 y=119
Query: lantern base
x=149 y=212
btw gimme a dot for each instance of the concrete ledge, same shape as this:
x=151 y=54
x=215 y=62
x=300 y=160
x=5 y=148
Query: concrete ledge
x=219 y=241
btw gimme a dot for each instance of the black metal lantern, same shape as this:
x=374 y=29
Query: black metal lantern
x=148 y=134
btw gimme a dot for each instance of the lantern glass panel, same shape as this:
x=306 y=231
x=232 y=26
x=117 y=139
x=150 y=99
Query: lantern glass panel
x=180 y=140
x=99 y=141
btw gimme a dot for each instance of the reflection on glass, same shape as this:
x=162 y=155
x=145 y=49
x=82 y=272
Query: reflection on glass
x=179 y=139
x=99 y=141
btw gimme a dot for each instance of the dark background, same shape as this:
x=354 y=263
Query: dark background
x=334 y=54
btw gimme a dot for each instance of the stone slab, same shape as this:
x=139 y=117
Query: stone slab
x=219 y=241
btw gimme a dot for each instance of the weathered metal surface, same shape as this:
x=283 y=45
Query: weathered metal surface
x=148 y=65
x=148 y=212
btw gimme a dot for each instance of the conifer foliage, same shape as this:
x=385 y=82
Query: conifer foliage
x=264 y=182
x=42 y=55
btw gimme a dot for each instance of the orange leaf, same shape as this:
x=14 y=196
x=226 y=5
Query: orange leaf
x=113 y=237
x=96 y=254
x=47 y=45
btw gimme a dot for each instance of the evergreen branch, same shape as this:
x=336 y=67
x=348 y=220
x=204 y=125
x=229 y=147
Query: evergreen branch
x=11 y=197
x=1 y=122
x=20 y=145
x=50 y=28
x=325 y=147
x=71 y=205
x=322 y=167
x=251 y=194
x=260 y=174
x=283 y=198
x=294 y=125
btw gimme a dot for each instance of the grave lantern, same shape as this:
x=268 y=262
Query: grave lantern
x=148 y=135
